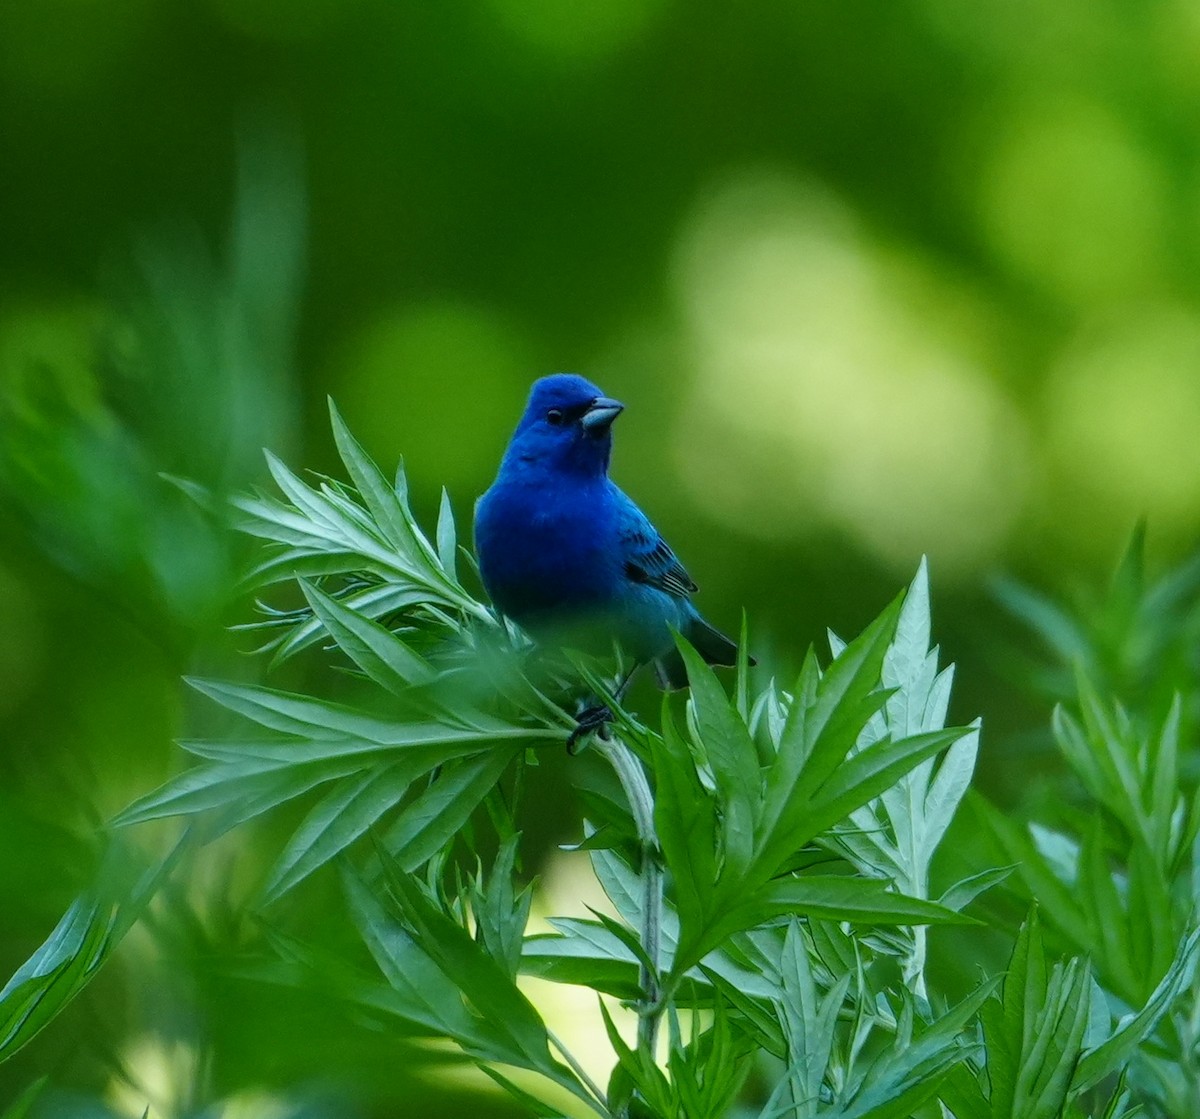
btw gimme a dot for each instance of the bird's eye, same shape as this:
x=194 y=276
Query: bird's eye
x=554 y=416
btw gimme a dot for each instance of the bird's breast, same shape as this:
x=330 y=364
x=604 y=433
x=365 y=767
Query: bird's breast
x=545 y=549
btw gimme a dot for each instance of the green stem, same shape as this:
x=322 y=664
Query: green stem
x=597 y=1102
x=632 y=776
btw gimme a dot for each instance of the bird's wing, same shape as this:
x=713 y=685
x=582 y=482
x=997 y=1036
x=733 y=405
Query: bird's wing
x=648 y=557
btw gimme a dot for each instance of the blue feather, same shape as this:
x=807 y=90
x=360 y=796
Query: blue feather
x=566 y=554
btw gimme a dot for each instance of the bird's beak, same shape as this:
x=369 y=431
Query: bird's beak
x=601 y=412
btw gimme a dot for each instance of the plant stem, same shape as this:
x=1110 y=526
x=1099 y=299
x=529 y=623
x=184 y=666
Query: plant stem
x=632 y=776
x=597 y=1103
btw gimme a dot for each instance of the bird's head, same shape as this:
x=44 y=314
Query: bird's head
x=567 y=426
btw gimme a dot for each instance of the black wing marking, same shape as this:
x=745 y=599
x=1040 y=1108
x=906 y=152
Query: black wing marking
x=649 y=559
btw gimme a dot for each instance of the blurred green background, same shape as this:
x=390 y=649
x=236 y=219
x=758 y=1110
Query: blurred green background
x=874 y=280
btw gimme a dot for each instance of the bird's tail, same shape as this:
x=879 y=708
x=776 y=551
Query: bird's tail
x=708 y=641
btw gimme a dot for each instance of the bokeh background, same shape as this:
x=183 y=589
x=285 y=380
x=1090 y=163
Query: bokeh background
x=874 y=280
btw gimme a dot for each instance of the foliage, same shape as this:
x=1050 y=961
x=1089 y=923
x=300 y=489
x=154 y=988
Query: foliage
x=770 y=866
x=1117 y=868
x=87 y=934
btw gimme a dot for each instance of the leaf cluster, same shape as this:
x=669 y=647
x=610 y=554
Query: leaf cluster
x=770 y=861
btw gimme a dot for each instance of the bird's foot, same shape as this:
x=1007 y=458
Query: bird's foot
x=593 y=719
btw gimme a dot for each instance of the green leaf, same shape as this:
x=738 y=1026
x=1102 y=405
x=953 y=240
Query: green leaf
x=1057 y=901
x=447 y=541
x=1164 y=788
x=859 y=901
x=863 y=901
x=381 y=654
x=1107 y=919
x=302 y=563
x=91 y=928
x=1007 y=1021
x=337 y=820
x=501 y=913
x=808 y=1022
x=22 y=1106
x=731 y=755
x=826 y=716
x=430 y=998
x=474 y=972
x=966 y=890
x=962 y=1094
x=254 y=784
x=867 y=774
x=260 y=775
x=1115 y=1052
x=586 y=954
x=304 y=716
x=428 y=823
x=1054 y=1039
x=685 y=819
x=908 y=670
x=536 y=1107
x=388 y=506
x=374 y=602
x=948 y=788
x=757 y=1016
x=433 y=742
x=1151 y=914
x=1054 y=625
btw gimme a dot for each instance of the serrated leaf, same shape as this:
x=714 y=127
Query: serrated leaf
x=962 y=1094
x=865 y=901
x=263 y=774
x=759 y=1020
x=808 y=1022
x=583 y=953
x=302 y=563
x=1053 y=1043
x=296 y=714
x=826 y=715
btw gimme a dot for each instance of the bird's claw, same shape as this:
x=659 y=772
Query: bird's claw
x=594 y=719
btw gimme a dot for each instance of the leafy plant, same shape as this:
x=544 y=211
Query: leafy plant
x=1117 y=868
x=769 y=853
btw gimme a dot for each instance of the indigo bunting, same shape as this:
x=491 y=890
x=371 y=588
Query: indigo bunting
x=565 y=554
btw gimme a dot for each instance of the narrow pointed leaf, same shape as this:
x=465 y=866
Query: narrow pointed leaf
x=381 y=654
x=336 y=821
x=447 y=540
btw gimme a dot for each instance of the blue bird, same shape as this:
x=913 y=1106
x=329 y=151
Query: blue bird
x=565 y=554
